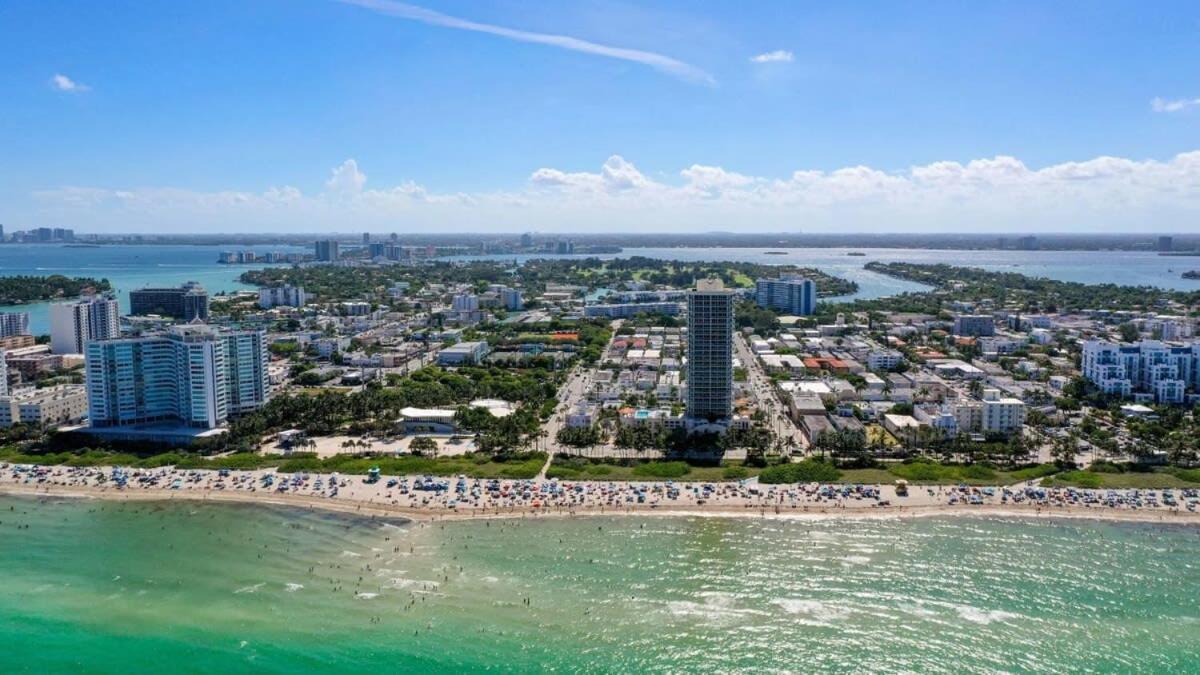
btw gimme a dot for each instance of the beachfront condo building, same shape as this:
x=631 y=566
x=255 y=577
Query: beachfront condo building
x=710 y=351
x=1148 y=370
x=791 y=295
x=187 y=302
x=74 y=324
x=192 y=375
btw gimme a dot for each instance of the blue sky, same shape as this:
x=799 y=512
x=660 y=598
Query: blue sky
x=232 y=115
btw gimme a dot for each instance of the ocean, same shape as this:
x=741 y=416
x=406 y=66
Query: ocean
x=187 y=587
x=129 y=267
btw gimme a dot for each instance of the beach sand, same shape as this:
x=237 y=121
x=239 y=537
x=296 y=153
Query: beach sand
x=531 y=498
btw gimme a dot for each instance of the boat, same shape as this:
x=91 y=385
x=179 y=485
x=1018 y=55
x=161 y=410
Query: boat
x=857 y=254
x=776 y=252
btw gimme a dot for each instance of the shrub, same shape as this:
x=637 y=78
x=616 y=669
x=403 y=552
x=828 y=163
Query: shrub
x=978 y=472
x=808 y=471
x=734 y=473
x=662 y=469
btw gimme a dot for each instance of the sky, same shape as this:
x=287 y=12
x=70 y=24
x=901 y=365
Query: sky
x=599 y=115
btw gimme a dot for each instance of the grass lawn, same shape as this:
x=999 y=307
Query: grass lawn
x=476 y=466
x=1115 y=481
x=931 y=473
x=574 y=468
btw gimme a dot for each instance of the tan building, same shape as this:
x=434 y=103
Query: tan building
x=61 y=404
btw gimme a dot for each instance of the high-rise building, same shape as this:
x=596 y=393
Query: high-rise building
x=791 y=295
x=1166 y=244
x=326 y=250
x=526 y=240
x=14 y=323
x=511 y=298
x=187 y=302
x=74 y=324
x=192 y=375
x=366 y=238
x=288 y=296
x=710 y=351
x=1027 y=243
x=466 y=302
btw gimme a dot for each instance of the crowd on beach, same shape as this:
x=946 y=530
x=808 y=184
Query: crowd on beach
x=462 y=496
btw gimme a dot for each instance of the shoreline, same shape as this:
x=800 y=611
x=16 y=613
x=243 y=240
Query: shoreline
x=368 y=508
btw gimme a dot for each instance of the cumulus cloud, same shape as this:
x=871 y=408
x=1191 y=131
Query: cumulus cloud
x=1177 y=105
x=1002 y=192
x=346 y=179
x=777 y=56
x=657 y=61
x=63 y=83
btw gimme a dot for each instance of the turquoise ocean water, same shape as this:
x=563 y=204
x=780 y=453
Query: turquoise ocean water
x=186 y=587
x=126 y=267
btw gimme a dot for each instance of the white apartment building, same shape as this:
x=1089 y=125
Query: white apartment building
x=1147 y=370
x=884 y=359
x=73 y=324
x=285 y=296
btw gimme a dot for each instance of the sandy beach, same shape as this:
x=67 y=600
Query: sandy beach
x=460 y=498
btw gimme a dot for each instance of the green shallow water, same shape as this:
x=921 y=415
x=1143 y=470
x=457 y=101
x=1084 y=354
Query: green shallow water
x=107 y=587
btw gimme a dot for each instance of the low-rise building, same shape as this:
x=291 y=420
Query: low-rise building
x=60 y=404
x=463 y=354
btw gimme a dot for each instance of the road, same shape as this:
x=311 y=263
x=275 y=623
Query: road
x=570 y=393
x=765 y=395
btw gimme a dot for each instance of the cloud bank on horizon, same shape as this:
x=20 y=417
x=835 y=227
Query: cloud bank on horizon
x=1103 y=194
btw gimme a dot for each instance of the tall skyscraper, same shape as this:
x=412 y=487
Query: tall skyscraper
x=326 y=250
x=710 y=351
x=187 y=302
x=73 y=324
x=192 y=375
x=1166 y=243
x=791 y=295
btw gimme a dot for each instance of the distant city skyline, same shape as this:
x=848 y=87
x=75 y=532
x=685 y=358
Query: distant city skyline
x=599 y=116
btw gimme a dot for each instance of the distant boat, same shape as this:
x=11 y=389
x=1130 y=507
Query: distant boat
x=857 y=254
x=777 y=252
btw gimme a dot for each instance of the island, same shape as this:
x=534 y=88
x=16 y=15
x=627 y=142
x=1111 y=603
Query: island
x=24 y=289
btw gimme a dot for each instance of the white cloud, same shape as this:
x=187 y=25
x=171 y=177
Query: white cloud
x=657 y=61
x=1163 y=105
x=1001 y=193
x=346 y=179
x=777 y=56
x=63 y=83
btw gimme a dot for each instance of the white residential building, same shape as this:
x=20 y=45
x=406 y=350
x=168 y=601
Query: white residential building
x=885 y=359
x=286 y=296
x=1149 y=368
x=73 y=324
